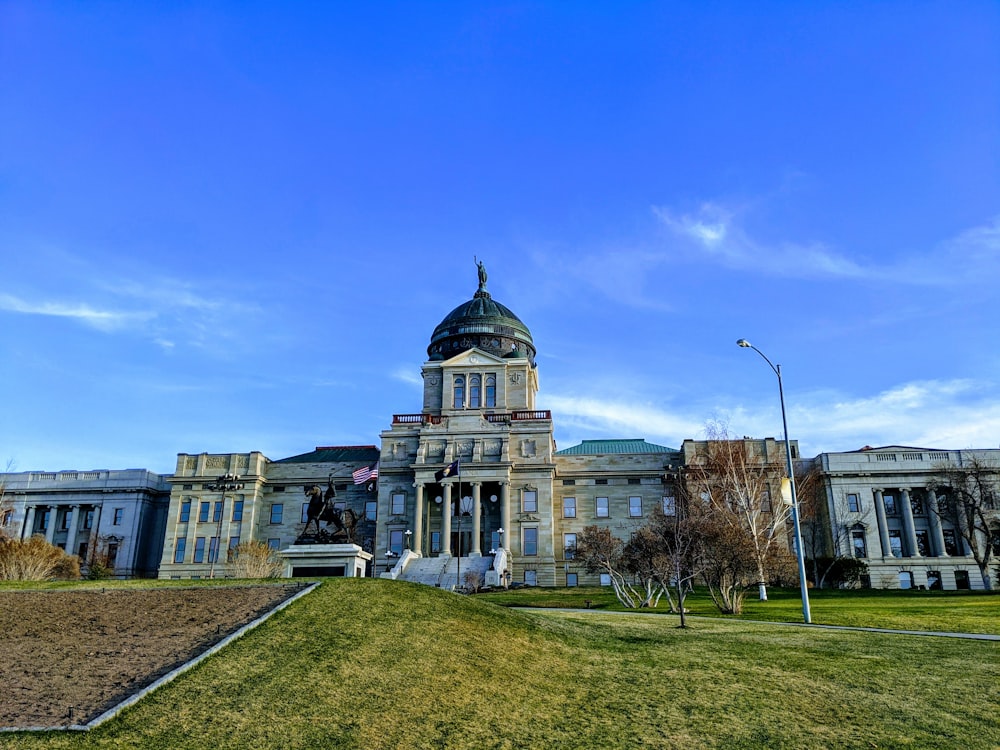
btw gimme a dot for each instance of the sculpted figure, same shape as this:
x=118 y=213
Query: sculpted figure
x=482 y=273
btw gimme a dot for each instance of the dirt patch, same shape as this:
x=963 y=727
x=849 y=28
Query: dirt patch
x=68 y=656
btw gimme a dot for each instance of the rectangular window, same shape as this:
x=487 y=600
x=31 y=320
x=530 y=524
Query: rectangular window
x=185 y=511
x=569 y=544
x=635 y=507
x=924 y=543
x=277 y=511
x=88 y=519
x=896 y=543
x=669 y=505
x=858 y=544
x=305 y=512
x=765 y=501
x=188 y=487
x=950 y=542
x=571 y=579
x=277 y=489
x=495 y=541
x=569 y=482
x=45 y=520
x=396 y=541
x=491 y=390
x=474 y=391
x=274 y=543
x=118 y=517
x=238 y=510
x=531 y=578
x=853 y=502
x=203 y=512
x=605 y=579
x=917 y=506
x=398 y=504
x=199 y=549
x=634 y=480
x=530 y=546
x=82 y=553
x=179 y=548
x=64 y=520
x=234 y=542
x=435 y=541
x=371 y=509
x=890 y=505
x=458 y=392
x=569 y=507
x=603 y=508
x=600 y=481
x=213 y=549
x=530 y=501
x=8 y=517
x=217 y=513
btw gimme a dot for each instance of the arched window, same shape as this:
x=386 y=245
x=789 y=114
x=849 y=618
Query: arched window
x=491 y=391
x=459 y=391
x=474 y=391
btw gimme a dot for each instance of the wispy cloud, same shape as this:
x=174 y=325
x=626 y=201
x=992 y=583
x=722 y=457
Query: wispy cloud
x=406 y=374
x=103 y=320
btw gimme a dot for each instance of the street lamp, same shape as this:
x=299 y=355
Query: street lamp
x=408 y=535
x=464 y=511
x=225 y=483
x=799 y=552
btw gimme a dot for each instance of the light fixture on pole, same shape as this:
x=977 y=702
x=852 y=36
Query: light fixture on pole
x=464 y=507
x=799 y=552
x=408 y=535
x=225 y=483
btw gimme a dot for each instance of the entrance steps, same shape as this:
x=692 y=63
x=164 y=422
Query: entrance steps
x=443 y=572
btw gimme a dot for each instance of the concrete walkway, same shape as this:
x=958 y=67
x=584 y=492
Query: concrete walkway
x=890 y=631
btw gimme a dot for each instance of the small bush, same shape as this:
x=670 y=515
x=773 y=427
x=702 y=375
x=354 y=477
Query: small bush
x=254 y=560
x=35 y=559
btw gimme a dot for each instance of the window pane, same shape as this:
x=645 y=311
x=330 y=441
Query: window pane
x=459 y=390
x=569 y=545
x=530 y=501
x=199 y=549
x=179 y=550
x=569 y=507
x=217 y=513
x=852 y=503
x=203 y=512
x=530 y=541
x=185 y=511
x=491 y=391
x=238 y=510
x=669 y=505
x=398 y=504
x=635 y=507
x=603 y=508
x=474 y=390
x=277 y=511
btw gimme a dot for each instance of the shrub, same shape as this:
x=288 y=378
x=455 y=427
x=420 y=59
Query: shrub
x=35 y=559
x=254 y=560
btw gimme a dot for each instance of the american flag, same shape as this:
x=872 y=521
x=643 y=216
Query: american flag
x=365 y=473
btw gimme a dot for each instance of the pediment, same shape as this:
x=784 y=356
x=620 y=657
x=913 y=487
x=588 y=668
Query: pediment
x=474 y=358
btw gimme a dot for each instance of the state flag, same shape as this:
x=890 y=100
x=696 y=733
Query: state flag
x=448 y=471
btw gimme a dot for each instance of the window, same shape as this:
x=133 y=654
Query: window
x=217 y=513
x=203 y=513
x=853 y=502
x=371 y=509
x=531 y=577
x=634 y=480
x=305 y=513
x=179 y=548
x=396 y=541
x=858 y=543
x=64 y=520
x=950 y=542
x=495 y=541
x=475 y=389
x=569 y=482
x=530 y=546
x=529 y=501
x=491 y=390
x=669 y=505
x=917 y=506
x=238 y=510
x=274 y=542
x=635 y=507
x=571 y=579
x=605 y=579
x=88 y=519
x=398 y=504
x=569 y=507
x=459 y=392
x=600 y=481
x=234 y=542
x=569 y=544
x=435 y=541
x=603 y=510
x=118 y=517
x=890 y=505
x=213 y=549
x=199 y=549
x=45 y=519
x=278 y=489
x=896 y=543
x=765 y=501
x=277 y=511
x=8 y=517
x=185 y=511
x=962 y=580
x=188 y=487
x=82 y=552
x=934 y=580
x=924 y=543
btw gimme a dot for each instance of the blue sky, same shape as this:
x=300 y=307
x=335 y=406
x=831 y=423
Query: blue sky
x=234 y=226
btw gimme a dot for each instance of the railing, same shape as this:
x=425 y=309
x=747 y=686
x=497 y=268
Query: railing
x=495 y=575
x=541 y=414
x=502 y=418
x=416 y=419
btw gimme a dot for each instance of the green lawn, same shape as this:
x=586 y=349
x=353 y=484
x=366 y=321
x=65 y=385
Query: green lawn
x=383 y=664
x=947 y=611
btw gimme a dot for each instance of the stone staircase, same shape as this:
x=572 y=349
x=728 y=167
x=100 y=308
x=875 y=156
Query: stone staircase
x=443 y=571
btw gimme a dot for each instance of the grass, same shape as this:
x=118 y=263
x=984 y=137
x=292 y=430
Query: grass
x=943 y=611
x=383 y=664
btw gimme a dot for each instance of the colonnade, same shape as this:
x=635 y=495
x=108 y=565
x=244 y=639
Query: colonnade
x=449 y=504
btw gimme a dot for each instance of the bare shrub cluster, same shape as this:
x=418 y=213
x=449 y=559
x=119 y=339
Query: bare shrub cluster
x=254 y=559
x=34 y=559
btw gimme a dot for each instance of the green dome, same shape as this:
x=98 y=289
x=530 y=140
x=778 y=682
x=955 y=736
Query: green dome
x=484 y=324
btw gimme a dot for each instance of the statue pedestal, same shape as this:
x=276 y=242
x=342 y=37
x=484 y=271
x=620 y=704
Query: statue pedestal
x=311 y=560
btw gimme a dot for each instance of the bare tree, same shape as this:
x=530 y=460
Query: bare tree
x=969 y=499
x=730 y=562
x=741 y=483
x=600 y=551
x=680 y=539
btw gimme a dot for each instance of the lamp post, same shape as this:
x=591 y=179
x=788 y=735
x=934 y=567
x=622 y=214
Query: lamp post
x=225 y=483
x=408 y=535
x=464 y=511
x=799 y=552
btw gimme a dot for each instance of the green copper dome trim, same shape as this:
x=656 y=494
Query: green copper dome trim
x=598 y=447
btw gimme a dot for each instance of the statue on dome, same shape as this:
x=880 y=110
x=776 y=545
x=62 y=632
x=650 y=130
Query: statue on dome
x=482 y=273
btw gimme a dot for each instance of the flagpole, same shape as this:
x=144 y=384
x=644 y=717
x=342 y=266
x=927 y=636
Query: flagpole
x=458 y=506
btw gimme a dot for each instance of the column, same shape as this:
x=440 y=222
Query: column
x=883 y=529
x=937 y=533
x=505 y=515
x=74 y=521
x=29 y=522
x=50 y=530
x=418 y=519
x=908 y=529
x=446 y=522
x=477 y=521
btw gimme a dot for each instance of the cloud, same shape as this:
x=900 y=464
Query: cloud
x=619 y=419
x=405 y=374
x=103 y=320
